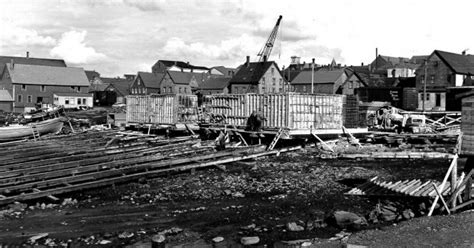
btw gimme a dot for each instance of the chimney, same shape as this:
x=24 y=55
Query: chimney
x=12 y=64
x=376 y=56
x=27 y=54
x=464 y=52
x=362 y=64
x=247 y=61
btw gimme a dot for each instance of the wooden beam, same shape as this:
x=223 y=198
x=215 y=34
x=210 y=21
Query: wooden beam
x=322 y=142
x=441 y=188
x=441 y=197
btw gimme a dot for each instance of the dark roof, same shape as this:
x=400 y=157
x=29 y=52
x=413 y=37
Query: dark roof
x=32 y=61
x=47 y=75
x=121 y=85
x=251 y=73
x=215 y=83
x=320 y=77
x=151 y=80
x=92 y=74
x=98 y=87
x=179 y=77
x=395 y=60
x=461 y=64
x=419 y=59
x=170 y=63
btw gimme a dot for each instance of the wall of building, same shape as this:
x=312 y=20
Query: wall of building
x=26 y=96
x=214 y=91
x=400 y=72
x=327 y=88
x=169 y=87
x=6 y=106
x=271 y=81
x=73 y=101
x=435 y=101
x=352 y=83
x=439 y=75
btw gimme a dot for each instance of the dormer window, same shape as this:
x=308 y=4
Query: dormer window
x=42 y=88
x=23 y=87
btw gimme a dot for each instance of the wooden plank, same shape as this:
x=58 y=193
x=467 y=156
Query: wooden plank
x=441 y=197
x=453 y=163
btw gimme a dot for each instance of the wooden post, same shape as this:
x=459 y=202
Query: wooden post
x=322 y=142
x=454 y=183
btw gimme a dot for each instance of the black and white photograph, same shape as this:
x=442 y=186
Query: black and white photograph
x=236 y=123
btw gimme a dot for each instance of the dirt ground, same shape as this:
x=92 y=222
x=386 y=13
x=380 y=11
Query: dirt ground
x=257 y=198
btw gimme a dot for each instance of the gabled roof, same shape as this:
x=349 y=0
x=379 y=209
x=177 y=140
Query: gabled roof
x=419 y=59
x=226 y=71
x=179 y=77
x=252 y=73
x=5 y=96
x=395 y=60
x=151 y=80
x=461 y=64
x=47 y=75
x=215 y=83
x=320 y=77
x=92 y=74
x=31 y=61
x=121 y=85
x=171 y=63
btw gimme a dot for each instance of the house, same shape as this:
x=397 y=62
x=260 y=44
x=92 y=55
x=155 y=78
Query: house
x=382 y=62
x=222 y=71
x=73 y=99
x=30 y=85
x=336 y=81
x=444 y=76
x=177 y=82
x=402 y=70
x=161 y=66
x=121 y=88
x=214 y=85
x=6 y=101
x=29 y=61
x=257 y=77
x=146 y=83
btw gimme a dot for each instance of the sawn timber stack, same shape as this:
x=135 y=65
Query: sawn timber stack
x=94 y=159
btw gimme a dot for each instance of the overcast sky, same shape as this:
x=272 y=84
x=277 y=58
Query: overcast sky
x=115 y=37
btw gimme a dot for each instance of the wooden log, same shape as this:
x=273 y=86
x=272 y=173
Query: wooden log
x=124 y=178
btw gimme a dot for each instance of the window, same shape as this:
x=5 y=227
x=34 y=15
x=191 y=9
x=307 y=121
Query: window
x=185 y=90
x=23 y=87
x=29 y=99
x=281 y=81
x=304 y=88
x=73 y=87
x=42 y=88
x=273 y=71
x=180 y=90
x=78 y=89
x=78 y=101
x=144 y=90
x=350 y=85
x=427 y=97
x=19 y=98
x=273 y=90
x=273 y=80
x=170 y=90
x=280 y=90
x=432 y=78
x=263 y=79
x=84 y=101
x=56 y=99
x=66 y=101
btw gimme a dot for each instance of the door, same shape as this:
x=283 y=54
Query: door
x=438 y=100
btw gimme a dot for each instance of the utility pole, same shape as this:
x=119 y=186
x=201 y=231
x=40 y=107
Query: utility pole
x=424 y=84
x=312 y=77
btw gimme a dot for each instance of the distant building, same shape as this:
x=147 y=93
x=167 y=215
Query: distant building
x=382 y=62
x=223 y=71
x=177 y=82
x=161 y=66
x=146 y=83
x=214 y=85
x=445 y=74
x=120 y=87
x=31 y=85
x=29 y=61
x=257 y=77
x=337 y=81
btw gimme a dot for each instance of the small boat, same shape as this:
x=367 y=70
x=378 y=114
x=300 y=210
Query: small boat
x=15 y=132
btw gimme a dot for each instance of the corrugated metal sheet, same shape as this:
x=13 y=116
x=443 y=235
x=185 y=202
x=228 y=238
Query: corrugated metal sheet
x=293 y=111
x=162 y=109
x=467 y=126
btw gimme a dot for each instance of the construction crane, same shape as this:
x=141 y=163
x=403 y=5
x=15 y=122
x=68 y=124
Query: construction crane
x=267 y=48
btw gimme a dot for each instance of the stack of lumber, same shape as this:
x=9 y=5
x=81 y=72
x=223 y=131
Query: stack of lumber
x=467 y=126
x=62 y=164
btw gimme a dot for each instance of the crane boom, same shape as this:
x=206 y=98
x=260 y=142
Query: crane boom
x=267 y=48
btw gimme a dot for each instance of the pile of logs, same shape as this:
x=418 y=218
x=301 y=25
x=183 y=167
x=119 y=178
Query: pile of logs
x=61 y=164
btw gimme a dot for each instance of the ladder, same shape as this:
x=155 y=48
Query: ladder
x=275 y=140
x=36 y=134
